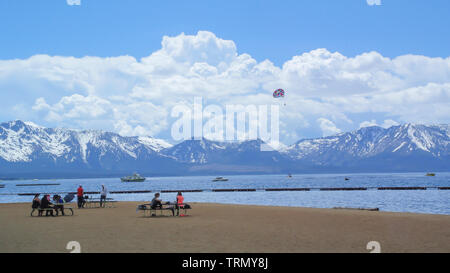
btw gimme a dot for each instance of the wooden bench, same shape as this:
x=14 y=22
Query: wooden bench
x=153 y=211
x=67 y=211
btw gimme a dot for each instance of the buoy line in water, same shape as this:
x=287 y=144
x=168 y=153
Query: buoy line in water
x=245 y=190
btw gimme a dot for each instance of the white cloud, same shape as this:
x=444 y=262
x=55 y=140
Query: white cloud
x=386 y=123
x=328 y=127
x=373 y=2
x=40 y=104
x=73 y=2
x=326 y=92
x=368 y=123
x=389 y=123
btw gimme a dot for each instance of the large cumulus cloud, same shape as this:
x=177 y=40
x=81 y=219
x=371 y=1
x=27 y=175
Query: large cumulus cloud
x=327 y=92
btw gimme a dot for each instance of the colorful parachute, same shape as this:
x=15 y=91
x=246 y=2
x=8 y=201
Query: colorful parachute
x=279 y=93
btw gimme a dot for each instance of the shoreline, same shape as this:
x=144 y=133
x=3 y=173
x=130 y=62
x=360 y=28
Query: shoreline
x=213 y=227
x=73 y=204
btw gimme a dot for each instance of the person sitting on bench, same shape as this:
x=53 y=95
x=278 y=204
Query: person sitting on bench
x=157 y=202
x=59 y=204
x=180 y=202
x=36 y=203
x=46 y=204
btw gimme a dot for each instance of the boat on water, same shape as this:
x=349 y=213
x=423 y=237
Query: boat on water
x=430 y=174
x=219 y=178
x=134 y=178
x=289 y=176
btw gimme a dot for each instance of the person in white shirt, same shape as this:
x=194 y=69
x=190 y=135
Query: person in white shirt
x=103 y=194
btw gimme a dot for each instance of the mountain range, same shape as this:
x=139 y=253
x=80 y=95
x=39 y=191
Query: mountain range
x=28 y=150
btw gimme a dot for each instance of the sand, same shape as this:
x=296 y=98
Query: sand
x=223 y=228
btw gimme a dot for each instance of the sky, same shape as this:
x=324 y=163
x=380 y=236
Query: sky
x=123 y=65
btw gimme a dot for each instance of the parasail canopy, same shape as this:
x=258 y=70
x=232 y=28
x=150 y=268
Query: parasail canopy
x=279 y=93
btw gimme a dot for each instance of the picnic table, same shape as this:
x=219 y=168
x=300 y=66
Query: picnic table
x=68 y=211
x=95 y=202
x=165 y=207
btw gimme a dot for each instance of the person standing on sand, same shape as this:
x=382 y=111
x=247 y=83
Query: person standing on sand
x=103 y=194
x=80 y=193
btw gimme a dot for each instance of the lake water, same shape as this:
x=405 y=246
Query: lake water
x=421 y=201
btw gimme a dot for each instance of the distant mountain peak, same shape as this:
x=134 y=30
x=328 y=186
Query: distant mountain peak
x=25 y=141
x=374 y=140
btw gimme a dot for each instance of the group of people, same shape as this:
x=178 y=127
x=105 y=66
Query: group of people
x=81 y=198
x=56 y=204
x=158 y=203
x=46 y=204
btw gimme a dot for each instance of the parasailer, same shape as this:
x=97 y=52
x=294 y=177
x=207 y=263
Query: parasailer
x=279 y=93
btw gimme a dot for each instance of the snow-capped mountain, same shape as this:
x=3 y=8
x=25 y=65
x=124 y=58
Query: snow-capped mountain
x=402 y=145
x=32 y=147
x=197 y=151
x=211 y=156
x=29 y=150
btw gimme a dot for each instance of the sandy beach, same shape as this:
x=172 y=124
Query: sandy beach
x=223 y=228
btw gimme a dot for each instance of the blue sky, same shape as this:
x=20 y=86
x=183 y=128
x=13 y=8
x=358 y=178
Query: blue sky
x=344 y=64
x=275 y=30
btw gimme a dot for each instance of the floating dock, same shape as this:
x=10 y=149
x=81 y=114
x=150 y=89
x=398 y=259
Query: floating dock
x=36 y=185
x=401 y=188
x=343 y=189
x=172 y=191
x=289 y=189
x=231 y=190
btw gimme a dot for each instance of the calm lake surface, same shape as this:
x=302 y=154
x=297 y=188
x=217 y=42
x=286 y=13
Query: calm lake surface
x=420 y=201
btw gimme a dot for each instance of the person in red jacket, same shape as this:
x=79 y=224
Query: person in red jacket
x=80 y=193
